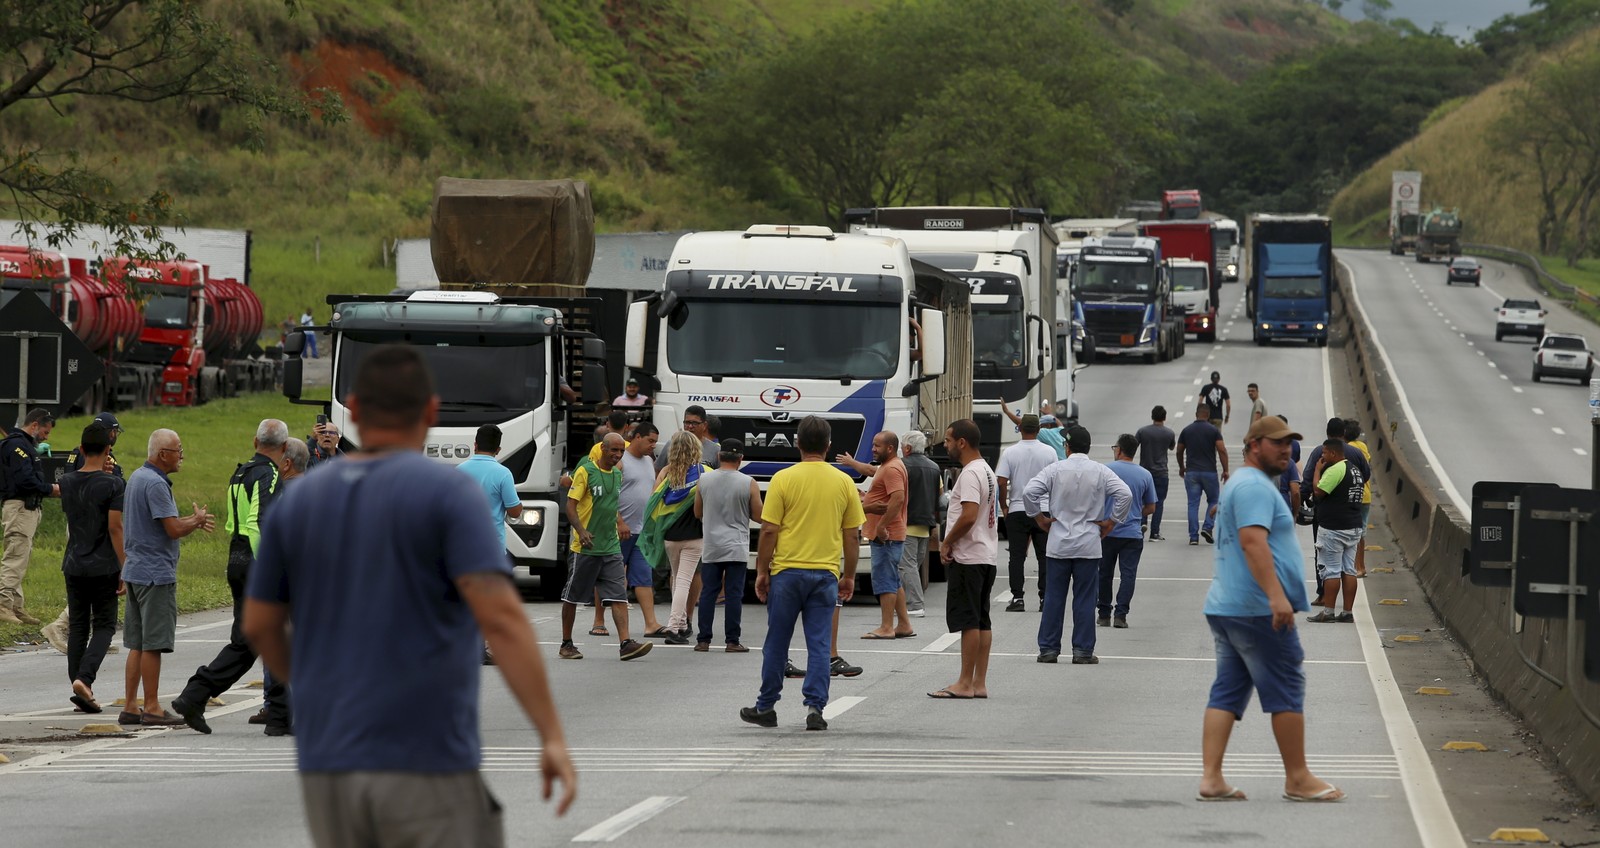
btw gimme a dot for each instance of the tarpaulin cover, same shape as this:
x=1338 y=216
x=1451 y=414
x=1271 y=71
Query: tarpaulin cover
x=498 y=232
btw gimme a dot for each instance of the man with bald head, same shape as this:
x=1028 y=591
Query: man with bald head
x=596 y=549
x=251 y=491
x=151 y=529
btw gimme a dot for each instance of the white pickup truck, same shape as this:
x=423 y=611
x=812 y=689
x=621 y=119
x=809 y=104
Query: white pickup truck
x=1519 y=317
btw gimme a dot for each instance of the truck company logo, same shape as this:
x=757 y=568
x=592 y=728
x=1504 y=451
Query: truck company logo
x=767 y=440
x=448 y=451
x=944 y=224
x=780 y=282
x=713 y=398
x=1114 y=251
x=9 y=266
x=142 y=273
x=780 y=396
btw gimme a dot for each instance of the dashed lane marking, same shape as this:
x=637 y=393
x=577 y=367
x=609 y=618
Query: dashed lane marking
x=1580 y=451
x=1538 y=411
x=617 y=825
x=939 y=644
x=1517 y=389
x=837 y=706
x=1558 y=431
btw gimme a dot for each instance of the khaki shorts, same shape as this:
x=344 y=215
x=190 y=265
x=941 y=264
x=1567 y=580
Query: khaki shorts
x=395 y=809
x=151 y=622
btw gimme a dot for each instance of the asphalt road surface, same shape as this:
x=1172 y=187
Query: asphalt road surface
x=1104 y=754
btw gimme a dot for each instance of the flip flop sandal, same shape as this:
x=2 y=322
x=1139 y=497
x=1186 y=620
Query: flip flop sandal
x=947 y=695
x=876 y=636
x=1326 y=796
x=905 y=635
x=599 y=631
x=1233 y=794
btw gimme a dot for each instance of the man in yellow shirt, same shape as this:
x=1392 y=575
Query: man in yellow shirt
x=811 y=517
x=1352 y=436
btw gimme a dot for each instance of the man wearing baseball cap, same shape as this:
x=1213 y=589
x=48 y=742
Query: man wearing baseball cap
x=1050 y=433
x=1255 y=592
x=630 y=395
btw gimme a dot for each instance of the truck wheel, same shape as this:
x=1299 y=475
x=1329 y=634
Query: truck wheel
x=1422 y=259
x=1536 y=375
x=1207 y=337
x=1322 y=342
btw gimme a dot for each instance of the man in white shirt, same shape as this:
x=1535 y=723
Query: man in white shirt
x=1069 y=499
x=1018 y=464
x=971 y=542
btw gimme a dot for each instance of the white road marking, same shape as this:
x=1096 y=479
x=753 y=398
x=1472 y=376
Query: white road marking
x=1491 y=364
x=1188 y=398
x=939 y=644
x=1580 y=451
x=837 y=706
x=1558 y=431
x=610 y=829
x=1538 y=411
x=1504 y=377
x=1517 y=389
x=1429 y=808
x=76 y=750
x=226 y=622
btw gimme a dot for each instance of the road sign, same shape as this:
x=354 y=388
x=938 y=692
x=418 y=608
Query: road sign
x=1556 y=523
x=44 y=363
x=1495 y=508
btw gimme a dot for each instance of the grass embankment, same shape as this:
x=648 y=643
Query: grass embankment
x=216 y=438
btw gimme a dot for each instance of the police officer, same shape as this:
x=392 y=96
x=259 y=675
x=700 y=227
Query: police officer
x=22 y=489
x=56 y=631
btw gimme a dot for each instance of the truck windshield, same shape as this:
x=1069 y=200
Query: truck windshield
x=476 y=384
x=1189 y=279
x=1222 y=240
x=1114 y=277
x=797 y=339
x=1292 y=287
x=167 y=310
x=997 y=334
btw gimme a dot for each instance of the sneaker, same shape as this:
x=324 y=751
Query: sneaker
x=1016 y=605
x=1157 y=537
x=1324 y=617
x=1048 y=656
x=1210 y=539
x=1103 y=621
x=279 y=730
x=839 y=668
x=1194 y=541
x=1120 y=622
x=916 y=613
x=792 y=671
x=633 y=649
x=166 y=719
x=194 y=716
x=56 y=634
x=814 y=719
x=675 y=638
x=1089 y=659
x=1345 y=618
x=735 y=648
x=702 y=647
x=569 y=651
x=763 y=718
x=260 y=716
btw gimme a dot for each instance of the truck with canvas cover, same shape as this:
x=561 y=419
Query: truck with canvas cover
x=1290 y=294
x=1123 y=301
x=1007 y=255
x=500 y=341
x=1405 y=210
x=1191 y=240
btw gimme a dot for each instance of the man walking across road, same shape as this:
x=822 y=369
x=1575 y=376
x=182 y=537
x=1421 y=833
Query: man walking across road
x=22 y=489
x=725 y=501
x=92 y=564
x=404 y=563
x=812 y=517
x=251 y=492
x=596 y=548
x=1155 y=442
x=1250 y=608
x=1258 y=407
x=1122 y=547
x=924 y=481
x=1200 y=451
x=971 y=543
x=1218 y=402
x=498 y=487
x=638 y=481
x=1079 y=501
x=885 y=529
x=151 y=530
x=1019 y=463
x=1336 y=485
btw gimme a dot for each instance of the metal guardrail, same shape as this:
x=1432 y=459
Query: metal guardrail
x=1551 y=284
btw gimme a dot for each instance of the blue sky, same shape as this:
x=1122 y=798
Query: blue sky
x=1460 y=17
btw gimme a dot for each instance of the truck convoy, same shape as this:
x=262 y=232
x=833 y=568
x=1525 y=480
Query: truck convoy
x=1007 y=255
x=1438 y=235
x=1180 y=204
x=1405 y=206
x=1123 y=301
x=1185 y=245
x=1290 y=273
x=496 y=358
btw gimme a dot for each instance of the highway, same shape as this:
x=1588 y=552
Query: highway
x=1098 y=754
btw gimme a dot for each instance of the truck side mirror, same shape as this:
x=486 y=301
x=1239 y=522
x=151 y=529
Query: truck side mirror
x=933 y=347
x=594 y=350
x=293 y=373
x=594 y=384
x=638 y=329
x=294 y=344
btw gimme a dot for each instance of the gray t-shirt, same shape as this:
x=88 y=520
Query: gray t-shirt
x=151 y=555
x=638 y=481
x=725 y=500
x=1155 y=442
x=708 y=454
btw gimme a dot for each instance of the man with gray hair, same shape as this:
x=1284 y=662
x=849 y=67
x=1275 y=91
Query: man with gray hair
x=924 y=482
x=296 y=460
x=251 y=491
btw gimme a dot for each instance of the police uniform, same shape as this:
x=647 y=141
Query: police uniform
x=22 y=489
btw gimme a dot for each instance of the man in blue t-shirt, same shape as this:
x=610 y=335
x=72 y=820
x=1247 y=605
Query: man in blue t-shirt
x=498 y=486
x=409 y=566
x=1200 y=452
x=1125 y=543
x=1256 y=590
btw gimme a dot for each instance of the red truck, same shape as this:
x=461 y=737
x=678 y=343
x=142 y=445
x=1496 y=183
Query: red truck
x=1185 y=246
x=1181 y=204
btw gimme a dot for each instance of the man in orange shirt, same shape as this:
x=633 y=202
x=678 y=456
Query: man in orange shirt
x=885 y=506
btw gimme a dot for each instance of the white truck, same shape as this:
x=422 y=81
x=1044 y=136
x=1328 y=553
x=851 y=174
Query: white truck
x=1007 y=256
x=1191 y=287
x=1225 y=240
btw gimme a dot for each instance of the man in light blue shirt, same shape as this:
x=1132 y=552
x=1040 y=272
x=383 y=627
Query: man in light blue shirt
x=498 y=486
x=1050 y=433
x=1125 y=543
x=1069 y=498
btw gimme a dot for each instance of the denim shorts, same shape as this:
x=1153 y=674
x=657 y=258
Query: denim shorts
x=639 y=571
x=1336 y=552
x=886 y=566
x=1251 y=654
x=1366 y=516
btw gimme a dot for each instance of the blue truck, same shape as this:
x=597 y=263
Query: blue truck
x=1290 y=294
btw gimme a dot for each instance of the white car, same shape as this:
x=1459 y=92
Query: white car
x=1563 y=355
x=1519 y=317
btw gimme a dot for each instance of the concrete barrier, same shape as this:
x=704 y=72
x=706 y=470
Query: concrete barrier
x=1435 y=536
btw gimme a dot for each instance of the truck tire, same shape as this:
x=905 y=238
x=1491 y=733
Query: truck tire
x=1088 y=349
x=1206 y=337
x=1421 y=258
x=1322 y=342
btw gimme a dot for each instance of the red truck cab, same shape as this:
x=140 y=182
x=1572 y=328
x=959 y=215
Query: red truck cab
x=1180 y=204
x=43 y=273
x=174 y=321
x=1191 y=240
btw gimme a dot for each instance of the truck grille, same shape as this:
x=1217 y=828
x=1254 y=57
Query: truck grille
x=1111 y=325
x=766 y=440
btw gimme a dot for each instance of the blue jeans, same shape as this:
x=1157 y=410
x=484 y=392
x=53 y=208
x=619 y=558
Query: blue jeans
x=727 y=578
x=1161 y=503
x=1081 y=575
x=807 y=594
x=1250 y=654
x=1195 y=482
x=1128 y=552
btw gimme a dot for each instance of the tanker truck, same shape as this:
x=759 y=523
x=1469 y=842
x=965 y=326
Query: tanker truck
x=1439 y=235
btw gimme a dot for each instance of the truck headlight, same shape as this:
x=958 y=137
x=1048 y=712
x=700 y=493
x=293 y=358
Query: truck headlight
x=1233 y=270
x=173 y=388
x=1148 y=334
x=1077 y=331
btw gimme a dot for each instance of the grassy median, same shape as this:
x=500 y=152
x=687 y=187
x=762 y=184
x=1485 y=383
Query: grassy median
x=216 y=438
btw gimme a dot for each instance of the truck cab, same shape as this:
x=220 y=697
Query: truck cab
x=1291 y=278
x=173 y=338
x=1225 y=247
x=34 y=273
x=1191 y=295
x=1123 y=301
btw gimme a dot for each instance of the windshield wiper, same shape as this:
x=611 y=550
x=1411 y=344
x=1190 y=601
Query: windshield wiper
x=717 y=378
x=468 y=404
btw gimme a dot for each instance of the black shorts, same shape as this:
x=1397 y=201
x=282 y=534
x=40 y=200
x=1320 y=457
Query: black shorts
x=967 y=591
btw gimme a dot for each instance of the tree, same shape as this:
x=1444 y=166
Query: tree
x=1553 y=129
x=139 y=51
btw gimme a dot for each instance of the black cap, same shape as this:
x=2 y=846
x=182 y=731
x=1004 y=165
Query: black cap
x=106 y=421
x=1078 y=439
x=730 y=448
x=632 y=381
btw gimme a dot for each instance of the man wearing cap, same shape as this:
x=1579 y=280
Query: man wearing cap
x=1019 y=463
x=631 y=396
x=1079 y=501
x=1256 y=590
x=56 y=632
x=22 y=488
x=1051 y=434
